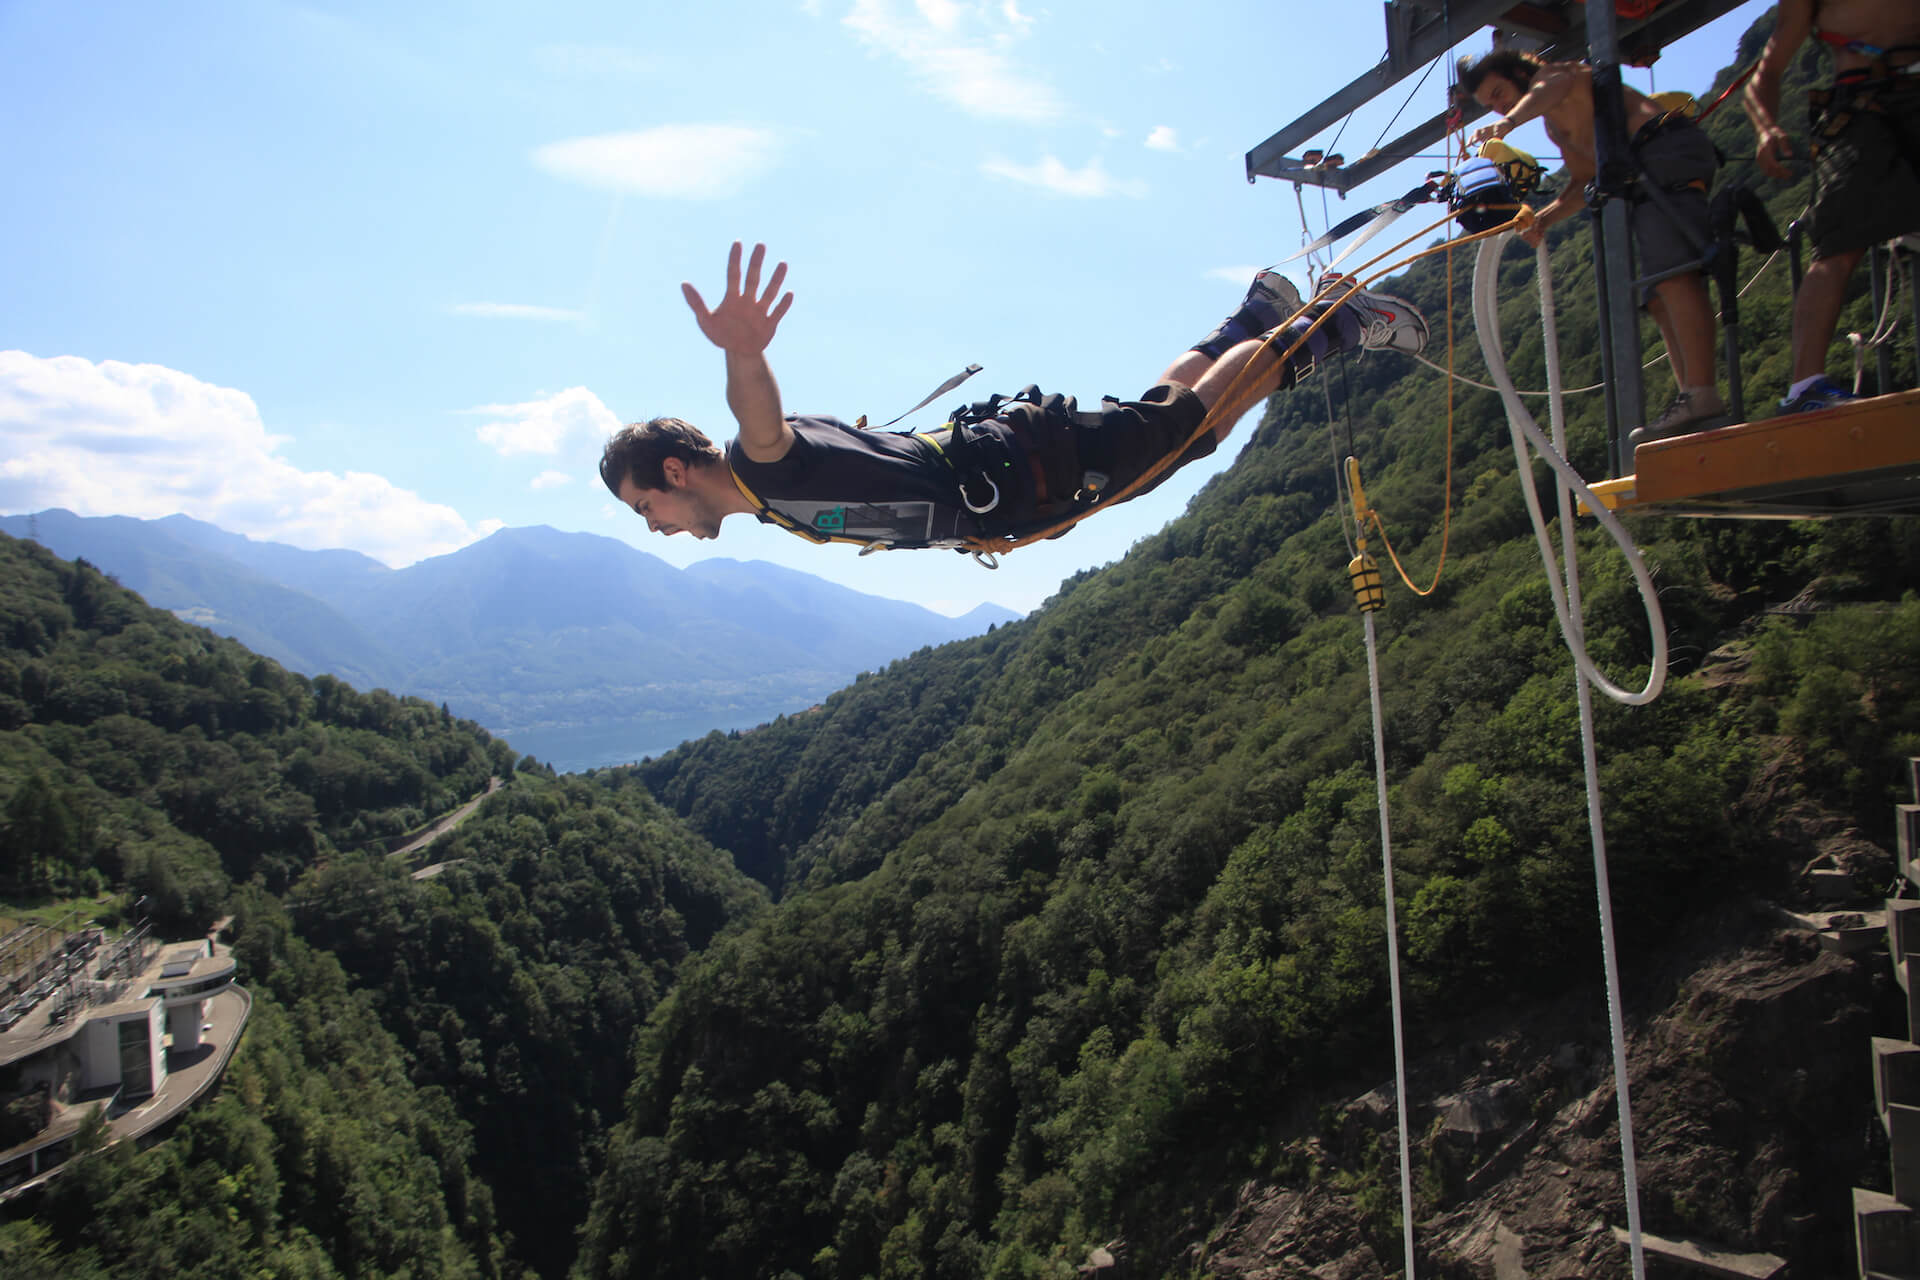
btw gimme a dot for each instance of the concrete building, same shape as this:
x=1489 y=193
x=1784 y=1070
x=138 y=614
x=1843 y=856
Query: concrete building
x=109 y=1028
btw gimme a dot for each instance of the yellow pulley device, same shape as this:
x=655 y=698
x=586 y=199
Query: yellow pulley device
x=1363 y=571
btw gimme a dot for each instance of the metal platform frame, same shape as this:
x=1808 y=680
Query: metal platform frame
x=1862 y=459
x=1418 y=31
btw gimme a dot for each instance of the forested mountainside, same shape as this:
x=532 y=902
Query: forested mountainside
x=1078 y=937
x=431 y=1064
x=1081 y=934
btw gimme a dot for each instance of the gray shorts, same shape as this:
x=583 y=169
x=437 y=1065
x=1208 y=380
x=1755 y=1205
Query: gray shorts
x=1674 y=229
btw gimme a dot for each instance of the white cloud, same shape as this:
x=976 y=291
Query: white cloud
x=148 y=441
x=1163 y=138
x=942 y=15
x=954 y=61
x=551 y=480
x=674 y=161
x=514 y=311
x=1090 y=183
x=545 y=426
x=1018 y=21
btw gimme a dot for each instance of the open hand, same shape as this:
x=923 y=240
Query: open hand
x=746 y=319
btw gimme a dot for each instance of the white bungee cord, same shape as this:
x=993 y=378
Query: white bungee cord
x=1526 y=432
x=1572 y=627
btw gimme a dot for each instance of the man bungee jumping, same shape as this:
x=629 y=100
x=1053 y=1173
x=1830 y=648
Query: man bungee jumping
x=1004 y=470
x=1865 y=151
x=1670 y=224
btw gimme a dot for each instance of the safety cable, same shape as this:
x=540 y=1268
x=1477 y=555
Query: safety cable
x=1363 y=572
x=1409 y=102
x=1573 y=631
x=1393 y=937
x=1349 y=526
x=1488 y=386
x=1886 y=323
x=1300 y=202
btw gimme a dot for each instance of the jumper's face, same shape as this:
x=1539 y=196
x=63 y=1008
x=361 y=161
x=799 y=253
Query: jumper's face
x=677 y=508
x=1497 y=93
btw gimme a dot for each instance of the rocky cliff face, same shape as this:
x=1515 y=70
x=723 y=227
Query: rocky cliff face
x=1752 y=1109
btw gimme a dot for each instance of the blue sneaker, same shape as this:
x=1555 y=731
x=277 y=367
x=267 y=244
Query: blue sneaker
x=1823 y=394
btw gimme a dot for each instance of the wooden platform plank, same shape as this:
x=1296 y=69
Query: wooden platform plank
x=1862 y=455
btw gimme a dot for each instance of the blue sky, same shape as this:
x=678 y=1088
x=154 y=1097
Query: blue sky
x=385 y=276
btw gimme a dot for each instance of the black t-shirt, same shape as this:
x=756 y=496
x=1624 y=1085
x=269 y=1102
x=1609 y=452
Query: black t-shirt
x=872 y=486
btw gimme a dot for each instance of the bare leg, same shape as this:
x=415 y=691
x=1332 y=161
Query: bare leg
x=1259 y=361
x=1188 y=369
x=1816 y=310
x=1210 y=378
x=1688 y=329
x=1657 y=308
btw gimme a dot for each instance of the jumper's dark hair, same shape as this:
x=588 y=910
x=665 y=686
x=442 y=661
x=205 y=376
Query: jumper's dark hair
x=1511 y=64
x=638 y=449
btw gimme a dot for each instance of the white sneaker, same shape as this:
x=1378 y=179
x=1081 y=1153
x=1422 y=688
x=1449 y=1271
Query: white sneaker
x=1387 y=323
x=1277 y=292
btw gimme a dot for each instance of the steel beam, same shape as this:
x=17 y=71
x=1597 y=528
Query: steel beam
x=1418 y=33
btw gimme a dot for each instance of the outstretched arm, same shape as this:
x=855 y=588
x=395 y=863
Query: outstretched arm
x=1772 y=149
x=742 y=325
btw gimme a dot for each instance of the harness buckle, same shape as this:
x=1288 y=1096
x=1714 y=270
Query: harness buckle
x=1092 y=485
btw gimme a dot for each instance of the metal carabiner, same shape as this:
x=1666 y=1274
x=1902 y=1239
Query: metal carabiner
x=991 y=503
x=986 y=559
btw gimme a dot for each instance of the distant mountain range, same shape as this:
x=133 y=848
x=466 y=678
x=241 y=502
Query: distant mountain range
x=575 y=648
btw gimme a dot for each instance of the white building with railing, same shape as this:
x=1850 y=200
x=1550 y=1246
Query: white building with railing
x=115 y=1024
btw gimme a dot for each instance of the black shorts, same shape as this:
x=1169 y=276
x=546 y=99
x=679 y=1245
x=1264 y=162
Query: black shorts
x=1866 y=136
x=1128 y=439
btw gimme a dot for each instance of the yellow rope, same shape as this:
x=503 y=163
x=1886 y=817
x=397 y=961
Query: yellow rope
x=1523 y=217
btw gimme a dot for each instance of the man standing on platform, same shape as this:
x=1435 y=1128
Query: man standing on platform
x=1866 y=157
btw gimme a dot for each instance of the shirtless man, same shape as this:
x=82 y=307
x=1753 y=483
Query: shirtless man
x=1866 y=140
x=1671 y=152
